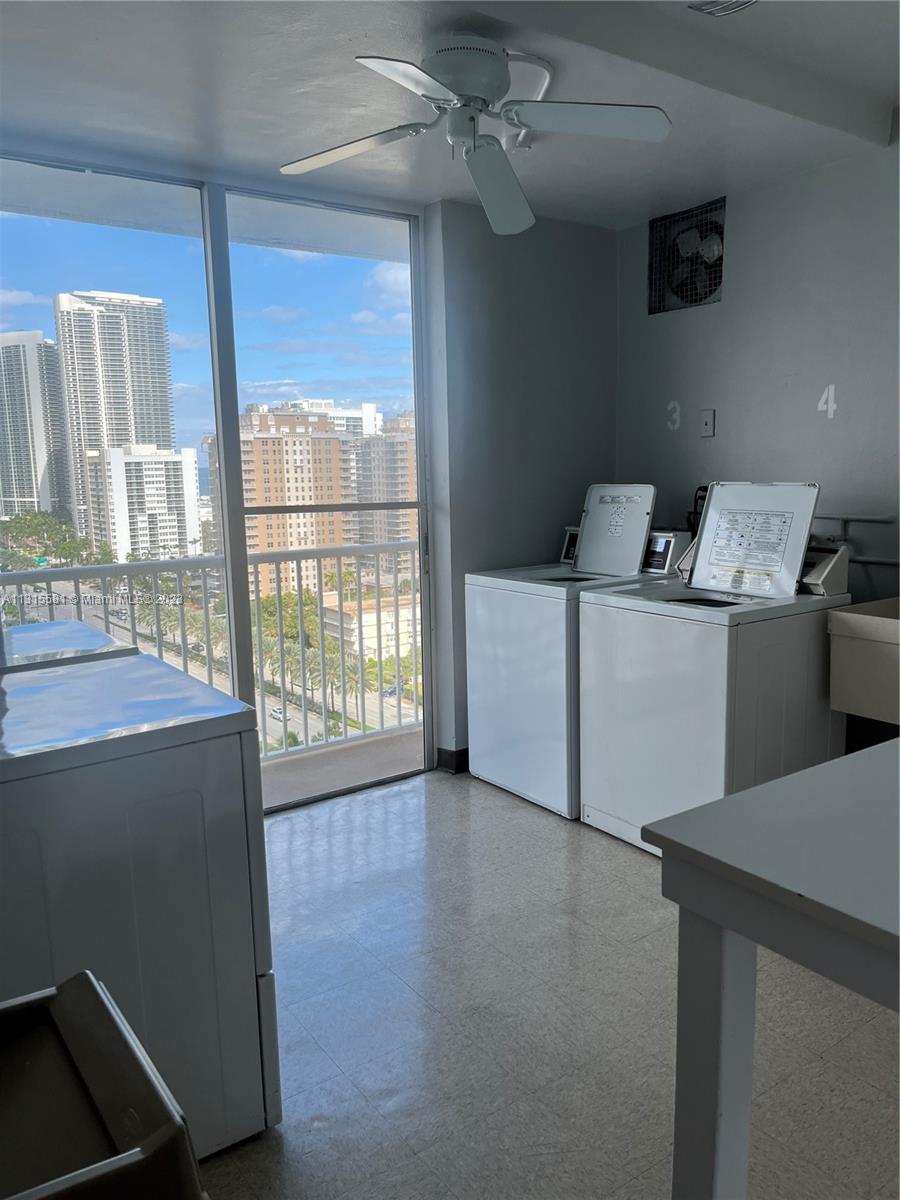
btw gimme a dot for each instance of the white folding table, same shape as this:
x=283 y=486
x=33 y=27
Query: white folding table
x=807 y=866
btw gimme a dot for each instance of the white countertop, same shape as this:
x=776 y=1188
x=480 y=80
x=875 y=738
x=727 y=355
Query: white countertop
x=824 y=840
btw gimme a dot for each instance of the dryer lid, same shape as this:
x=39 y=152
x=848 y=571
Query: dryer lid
x=753 y=536
x=614 y=528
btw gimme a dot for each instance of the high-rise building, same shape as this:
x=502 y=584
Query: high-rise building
x=313 y=452
x=116 y=378
x=386 y=473
x=364 y=421
x=34 y=473
x=143 y=501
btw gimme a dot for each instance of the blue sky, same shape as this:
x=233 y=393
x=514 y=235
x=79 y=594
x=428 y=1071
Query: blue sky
x=306 y=325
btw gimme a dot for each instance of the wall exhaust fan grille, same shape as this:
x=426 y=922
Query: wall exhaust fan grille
x=685 y=259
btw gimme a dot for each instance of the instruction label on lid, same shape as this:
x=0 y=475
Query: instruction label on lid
x=748 y=538
x=753 y=537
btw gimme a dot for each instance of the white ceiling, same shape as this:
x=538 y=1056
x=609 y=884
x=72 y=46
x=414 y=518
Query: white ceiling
x=230 y=90
x=854 y=42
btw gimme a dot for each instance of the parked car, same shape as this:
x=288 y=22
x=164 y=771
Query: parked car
x=197 y=648
x=391 y=691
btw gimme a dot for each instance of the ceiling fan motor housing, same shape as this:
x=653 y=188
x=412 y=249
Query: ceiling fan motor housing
x=468 y=65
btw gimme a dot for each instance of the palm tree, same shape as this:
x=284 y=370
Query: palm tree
x=354 y=680
x=271 y=653
x=292 y=661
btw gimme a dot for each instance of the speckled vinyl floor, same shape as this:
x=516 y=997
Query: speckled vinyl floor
x=477 y=1002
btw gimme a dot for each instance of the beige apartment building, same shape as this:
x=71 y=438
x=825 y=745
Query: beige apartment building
x=315 y=453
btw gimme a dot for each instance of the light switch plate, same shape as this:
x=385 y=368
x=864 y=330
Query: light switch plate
x=707 y=422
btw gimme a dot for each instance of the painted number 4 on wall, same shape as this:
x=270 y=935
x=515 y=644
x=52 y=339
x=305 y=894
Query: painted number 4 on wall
x=828 y=404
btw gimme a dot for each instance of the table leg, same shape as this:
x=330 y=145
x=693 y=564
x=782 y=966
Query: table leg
x=716 y=1009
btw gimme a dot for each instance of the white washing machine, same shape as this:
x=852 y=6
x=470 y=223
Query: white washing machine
x=131 y=844
x=52 y=643
x=689 y=692
x=522 y=651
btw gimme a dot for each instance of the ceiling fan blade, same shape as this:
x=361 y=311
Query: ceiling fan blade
x=325 y=158
x=638 y=122
x=410 y=76
x=498 y=188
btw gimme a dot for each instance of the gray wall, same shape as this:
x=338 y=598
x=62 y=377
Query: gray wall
x=809 y=299
x=521 y=338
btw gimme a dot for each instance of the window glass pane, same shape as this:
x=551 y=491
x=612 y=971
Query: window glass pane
x=105 y=391
x=323 y=338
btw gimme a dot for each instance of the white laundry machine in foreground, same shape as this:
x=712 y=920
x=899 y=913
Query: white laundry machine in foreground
x=522 y=651
x=131 y=845
x=689 y=693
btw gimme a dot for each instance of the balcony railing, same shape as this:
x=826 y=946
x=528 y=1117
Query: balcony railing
x=336 y=631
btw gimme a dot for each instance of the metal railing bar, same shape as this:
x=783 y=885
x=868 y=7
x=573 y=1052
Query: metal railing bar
x=110 y=570
x=323 y=698
x=105 y=582
x=132 y=617
x=154 y=593
x=270 y=510
x=361 y=647
x=301 y=632
x=49 y=602
x=339 y=567
x=378 y=640
x=260 y=663
x=324 y=552
x=414 y=630
x=279 y=617
x=20 y=601
x=151 y=567
x=182 y=621
x=397 y=680
x=207 y=631
x=77 y=590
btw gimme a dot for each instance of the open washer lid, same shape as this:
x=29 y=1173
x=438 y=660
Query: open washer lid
x=614 y=528
x=753 y=538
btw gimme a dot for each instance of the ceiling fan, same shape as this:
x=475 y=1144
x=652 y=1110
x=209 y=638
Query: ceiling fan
x=464 y=78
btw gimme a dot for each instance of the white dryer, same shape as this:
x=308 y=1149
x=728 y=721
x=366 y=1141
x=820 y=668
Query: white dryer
x=131 y=844
x=689 y=693
x=522 y=651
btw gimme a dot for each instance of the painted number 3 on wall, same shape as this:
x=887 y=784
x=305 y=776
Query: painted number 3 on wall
x=827 y=404
x=673 y=408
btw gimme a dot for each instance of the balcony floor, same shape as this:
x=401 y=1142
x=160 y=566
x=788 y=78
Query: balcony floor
x=341 y=767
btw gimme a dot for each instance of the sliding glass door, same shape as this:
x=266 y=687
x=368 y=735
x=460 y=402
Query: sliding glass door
x=324 y=353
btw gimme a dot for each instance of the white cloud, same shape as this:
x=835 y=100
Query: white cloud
x=389 y=283
x=272 y=389
x=393 y=325
x=16 y=298
x=299 y=255
x=181 y=343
